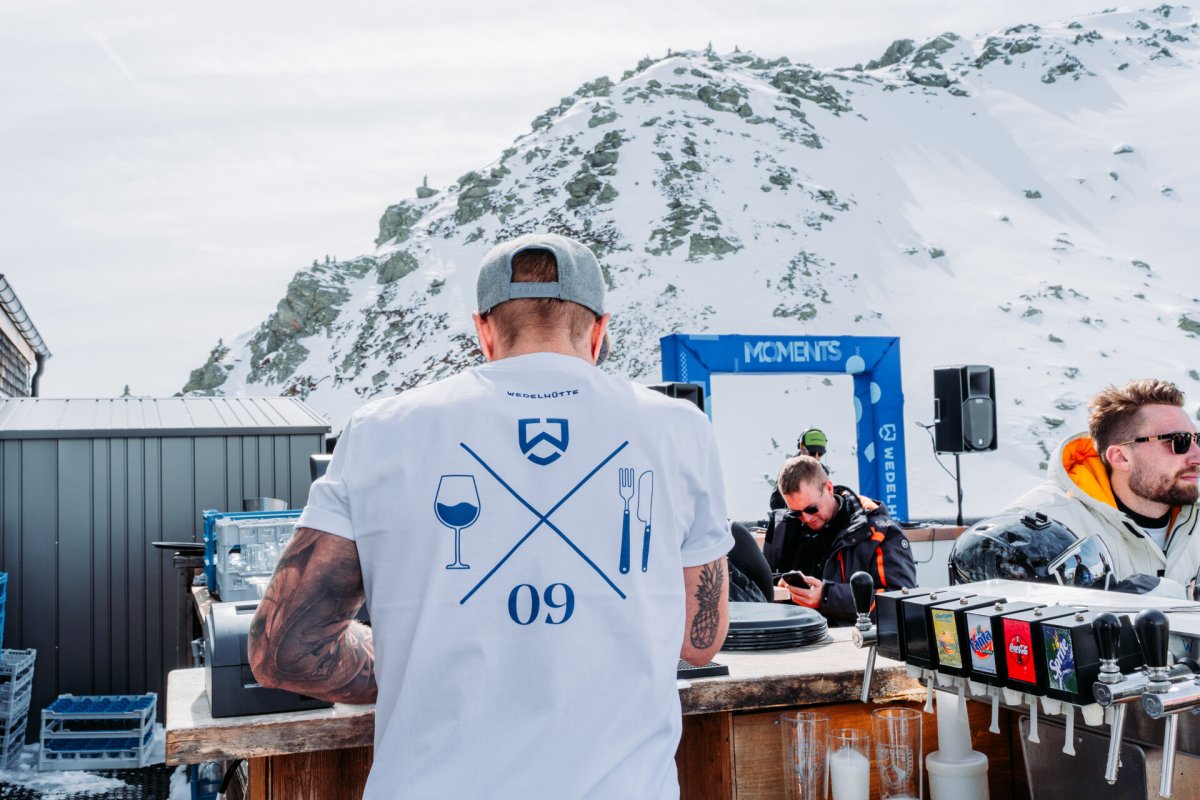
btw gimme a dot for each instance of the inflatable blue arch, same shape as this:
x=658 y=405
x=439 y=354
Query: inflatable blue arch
x=872 y=361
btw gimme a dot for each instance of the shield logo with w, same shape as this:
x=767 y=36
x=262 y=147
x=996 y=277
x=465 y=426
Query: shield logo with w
x=549 y=446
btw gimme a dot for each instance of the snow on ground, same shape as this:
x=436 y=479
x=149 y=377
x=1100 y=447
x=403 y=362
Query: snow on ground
x=58 y=785
x=180 y=789
x=54 y=785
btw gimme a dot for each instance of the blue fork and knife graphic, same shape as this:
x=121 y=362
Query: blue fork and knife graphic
x=645 y=505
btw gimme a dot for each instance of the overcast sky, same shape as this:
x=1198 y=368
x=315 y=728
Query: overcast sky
x=166 y=167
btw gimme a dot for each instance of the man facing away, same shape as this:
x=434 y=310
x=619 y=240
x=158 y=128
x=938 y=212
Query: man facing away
x=828 y=534
x=537 y=542
x=1131 y=480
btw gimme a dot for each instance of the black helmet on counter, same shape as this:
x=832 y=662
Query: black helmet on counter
x=1029 y=547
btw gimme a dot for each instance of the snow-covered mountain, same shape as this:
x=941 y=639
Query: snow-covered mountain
x=1027 y=200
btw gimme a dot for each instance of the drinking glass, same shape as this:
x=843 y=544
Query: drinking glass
x=898 y=754
x=235 y=565
x=804 y=747
x=457 y=506
x=271 y=553
x=254 y=557
x=850 y=763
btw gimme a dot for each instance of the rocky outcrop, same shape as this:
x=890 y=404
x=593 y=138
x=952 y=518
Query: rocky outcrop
x=896 y=52
x=206 y=379
x=311 y=306
x=397 y=223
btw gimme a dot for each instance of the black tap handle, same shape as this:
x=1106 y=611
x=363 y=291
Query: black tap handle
x=1107 y=627
x=1153 y=631
x=862 y=587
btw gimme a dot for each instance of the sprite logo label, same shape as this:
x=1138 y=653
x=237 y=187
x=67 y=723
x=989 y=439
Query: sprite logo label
x=1060 y=660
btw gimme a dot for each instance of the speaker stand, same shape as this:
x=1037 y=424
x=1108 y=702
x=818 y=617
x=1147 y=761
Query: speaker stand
x=958 y=488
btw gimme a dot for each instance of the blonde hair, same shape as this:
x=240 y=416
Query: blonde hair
x=797 y=471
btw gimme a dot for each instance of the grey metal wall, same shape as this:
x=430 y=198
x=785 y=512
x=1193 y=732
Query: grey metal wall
x=77 y=517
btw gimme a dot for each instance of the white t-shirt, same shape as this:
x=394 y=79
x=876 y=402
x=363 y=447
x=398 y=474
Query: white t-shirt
x=541 y=669
x=1158 y=535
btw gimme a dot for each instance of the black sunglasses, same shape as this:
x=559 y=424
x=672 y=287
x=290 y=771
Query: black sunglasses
x=1181 y=441
x=811 y=510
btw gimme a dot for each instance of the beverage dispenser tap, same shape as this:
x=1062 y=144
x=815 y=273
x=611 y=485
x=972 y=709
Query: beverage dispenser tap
x=1114 y=689
x=862 y=587
x=1161 y=698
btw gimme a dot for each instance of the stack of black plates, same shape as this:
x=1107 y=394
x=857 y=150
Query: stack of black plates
x=773 y=626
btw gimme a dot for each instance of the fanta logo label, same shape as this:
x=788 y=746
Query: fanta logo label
x=981 y=643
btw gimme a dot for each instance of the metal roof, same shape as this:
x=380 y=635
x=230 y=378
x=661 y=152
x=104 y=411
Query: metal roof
x=118 y=417
x=16 y=312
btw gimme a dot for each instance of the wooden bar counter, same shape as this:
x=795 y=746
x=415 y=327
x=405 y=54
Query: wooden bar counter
x=731 y=746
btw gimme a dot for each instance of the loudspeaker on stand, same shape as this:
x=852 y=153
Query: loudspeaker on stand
x=964 y=409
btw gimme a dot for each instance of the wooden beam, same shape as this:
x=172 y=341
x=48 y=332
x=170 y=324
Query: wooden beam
x=705 y=757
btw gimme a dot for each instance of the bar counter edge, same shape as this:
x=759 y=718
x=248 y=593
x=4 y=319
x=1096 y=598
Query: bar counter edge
x=816 y=675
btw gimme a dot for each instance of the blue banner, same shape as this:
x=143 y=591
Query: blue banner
x=873 y=361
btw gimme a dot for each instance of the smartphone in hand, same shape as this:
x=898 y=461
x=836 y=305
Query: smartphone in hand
x=795 y=578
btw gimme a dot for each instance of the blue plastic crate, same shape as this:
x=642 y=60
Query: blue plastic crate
x=104 y=705
x=109 y=745
x=97 y=732
x=210 y=518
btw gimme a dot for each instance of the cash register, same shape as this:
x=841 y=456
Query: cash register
x=233 y=691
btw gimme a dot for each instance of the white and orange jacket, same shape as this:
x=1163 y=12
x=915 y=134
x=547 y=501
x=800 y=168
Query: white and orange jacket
x=1078 y=494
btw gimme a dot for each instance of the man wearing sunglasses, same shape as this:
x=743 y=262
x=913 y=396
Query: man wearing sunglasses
x=1132 y=481
x=828 y=533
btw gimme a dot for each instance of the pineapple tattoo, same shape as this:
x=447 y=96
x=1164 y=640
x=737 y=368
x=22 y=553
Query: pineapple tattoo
x=708 y=597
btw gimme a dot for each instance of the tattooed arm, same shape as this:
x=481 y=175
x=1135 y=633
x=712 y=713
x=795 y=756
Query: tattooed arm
x=707 y=611
x=303 y=637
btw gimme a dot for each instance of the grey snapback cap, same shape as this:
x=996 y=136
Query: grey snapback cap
x=579 y=277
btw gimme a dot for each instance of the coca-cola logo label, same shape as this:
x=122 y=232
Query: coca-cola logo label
x=1018 y=651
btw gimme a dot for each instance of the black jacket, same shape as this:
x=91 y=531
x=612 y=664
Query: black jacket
x=861 y=536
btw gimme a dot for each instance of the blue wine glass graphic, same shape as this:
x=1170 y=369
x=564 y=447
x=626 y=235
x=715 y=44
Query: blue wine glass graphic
x=457 y=507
